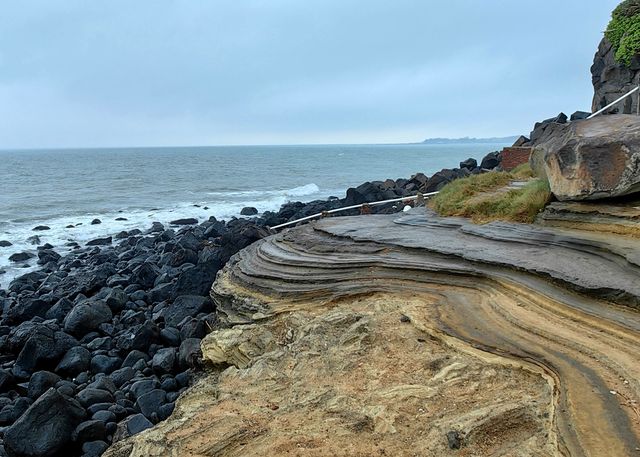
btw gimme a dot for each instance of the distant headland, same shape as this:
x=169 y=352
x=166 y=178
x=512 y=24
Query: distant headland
x=504 y=139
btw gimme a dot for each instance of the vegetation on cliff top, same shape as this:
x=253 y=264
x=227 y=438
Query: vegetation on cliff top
x=484 y=198
x=623 y=31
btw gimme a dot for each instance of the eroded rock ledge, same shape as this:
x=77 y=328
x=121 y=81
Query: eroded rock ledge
x=415 y=335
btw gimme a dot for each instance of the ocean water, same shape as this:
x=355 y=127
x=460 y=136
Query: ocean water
x=58 y=188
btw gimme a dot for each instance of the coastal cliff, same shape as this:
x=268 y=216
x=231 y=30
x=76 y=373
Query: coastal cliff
x=417 y=335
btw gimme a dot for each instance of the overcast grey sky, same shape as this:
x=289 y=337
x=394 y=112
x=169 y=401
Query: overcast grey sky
x=196 y=72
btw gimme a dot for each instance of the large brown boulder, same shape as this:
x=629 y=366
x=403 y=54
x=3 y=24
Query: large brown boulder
x=591 y=159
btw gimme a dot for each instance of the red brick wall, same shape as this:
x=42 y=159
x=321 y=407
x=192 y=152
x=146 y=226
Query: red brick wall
x=512 y=157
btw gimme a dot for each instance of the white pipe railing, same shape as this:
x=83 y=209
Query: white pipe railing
x=631 y=92
x=346 y=208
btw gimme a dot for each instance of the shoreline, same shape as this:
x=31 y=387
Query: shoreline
x=109 y=334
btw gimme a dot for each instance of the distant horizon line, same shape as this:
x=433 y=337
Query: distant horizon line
x=488 y=140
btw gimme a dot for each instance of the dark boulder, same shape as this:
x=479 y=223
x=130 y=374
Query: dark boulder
x=139 y=388
x=100 y=241
x=185 y=306
x=156 y=227
x=96 y=222
x=165 y=411
x=190 y=354
x=5 y=244
x=47 y=255
x=122 y=375
x=130 y=426
x=442 y=178
x=150 y=402
x=6 y=380
x=469 y=164
x=521 y=141
x=116 y=299
x=21 y=257
x=25 y=309
x=87 y=316
x=186 y=221
x=43 y=349
x=39 y=228
x=182 y=256
x=559 y=119
x=248 y=211
x=60 y=310
x=91 y=430
x=145 y=275
x=35 y=240
x=354 y=197
x=91 y=396
x=490 y=161
x=163 y=361
x=105 y=364
x=133 y=357
x=40 y=382
x=45 y=428
x=74 y=362
x=579 y=115
x=198 y=279
x=94 y=448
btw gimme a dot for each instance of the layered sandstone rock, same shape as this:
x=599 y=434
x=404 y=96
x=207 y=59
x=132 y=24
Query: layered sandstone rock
x=417 y=335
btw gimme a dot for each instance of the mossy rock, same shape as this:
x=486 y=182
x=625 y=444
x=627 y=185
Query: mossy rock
x=623 y=31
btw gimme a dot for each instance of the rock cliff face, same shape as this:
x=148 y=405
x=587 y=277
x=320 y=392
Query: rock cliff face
x=612 y=79
x=417 y=335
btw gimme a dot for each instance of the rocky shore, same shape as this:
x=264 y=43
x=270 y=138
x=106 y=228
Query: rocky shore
x=414 y=334
x=97 y=345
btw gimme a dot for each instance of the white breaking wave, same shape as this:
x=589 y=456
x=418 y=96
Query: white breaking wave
x=300 y=191
x=222 y=205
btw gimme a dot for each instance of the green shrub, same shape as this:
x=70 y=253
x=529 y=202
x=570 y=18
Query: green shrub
x=623 y=31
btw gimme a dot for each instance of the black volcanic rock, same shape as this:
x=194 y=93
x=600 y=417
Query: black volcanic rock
x=47 y=255
x=20 y=257
x=100 y=241
x=184 y=306
x=45 y=428
x=185 y=221
x=248 y=211
x=87 y=316
x=469 y=164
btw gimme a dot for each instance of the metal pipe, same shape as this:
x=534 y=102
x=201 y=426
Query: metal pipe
x=346 y=208
x=632 y=91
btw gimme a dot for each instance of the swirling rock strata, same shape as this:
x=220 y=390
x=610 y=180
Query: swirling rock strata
x=382 y=335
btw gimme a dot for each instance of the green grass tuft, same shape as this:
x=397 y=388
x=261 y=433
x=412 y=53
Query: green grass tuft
x=479 y=198
x=623 y=31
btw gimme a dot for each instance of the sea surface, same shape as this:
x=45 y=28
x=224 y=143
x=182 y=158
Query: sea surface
x=58 y=188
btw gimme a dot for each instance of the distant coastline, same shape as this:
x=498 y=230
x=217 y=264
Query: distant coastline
x=467 y=140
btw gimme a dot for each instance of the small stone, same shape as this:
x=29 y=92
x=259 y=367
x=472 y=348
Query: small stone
x=454 y=440
x=132 y=425
x=91 y=430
